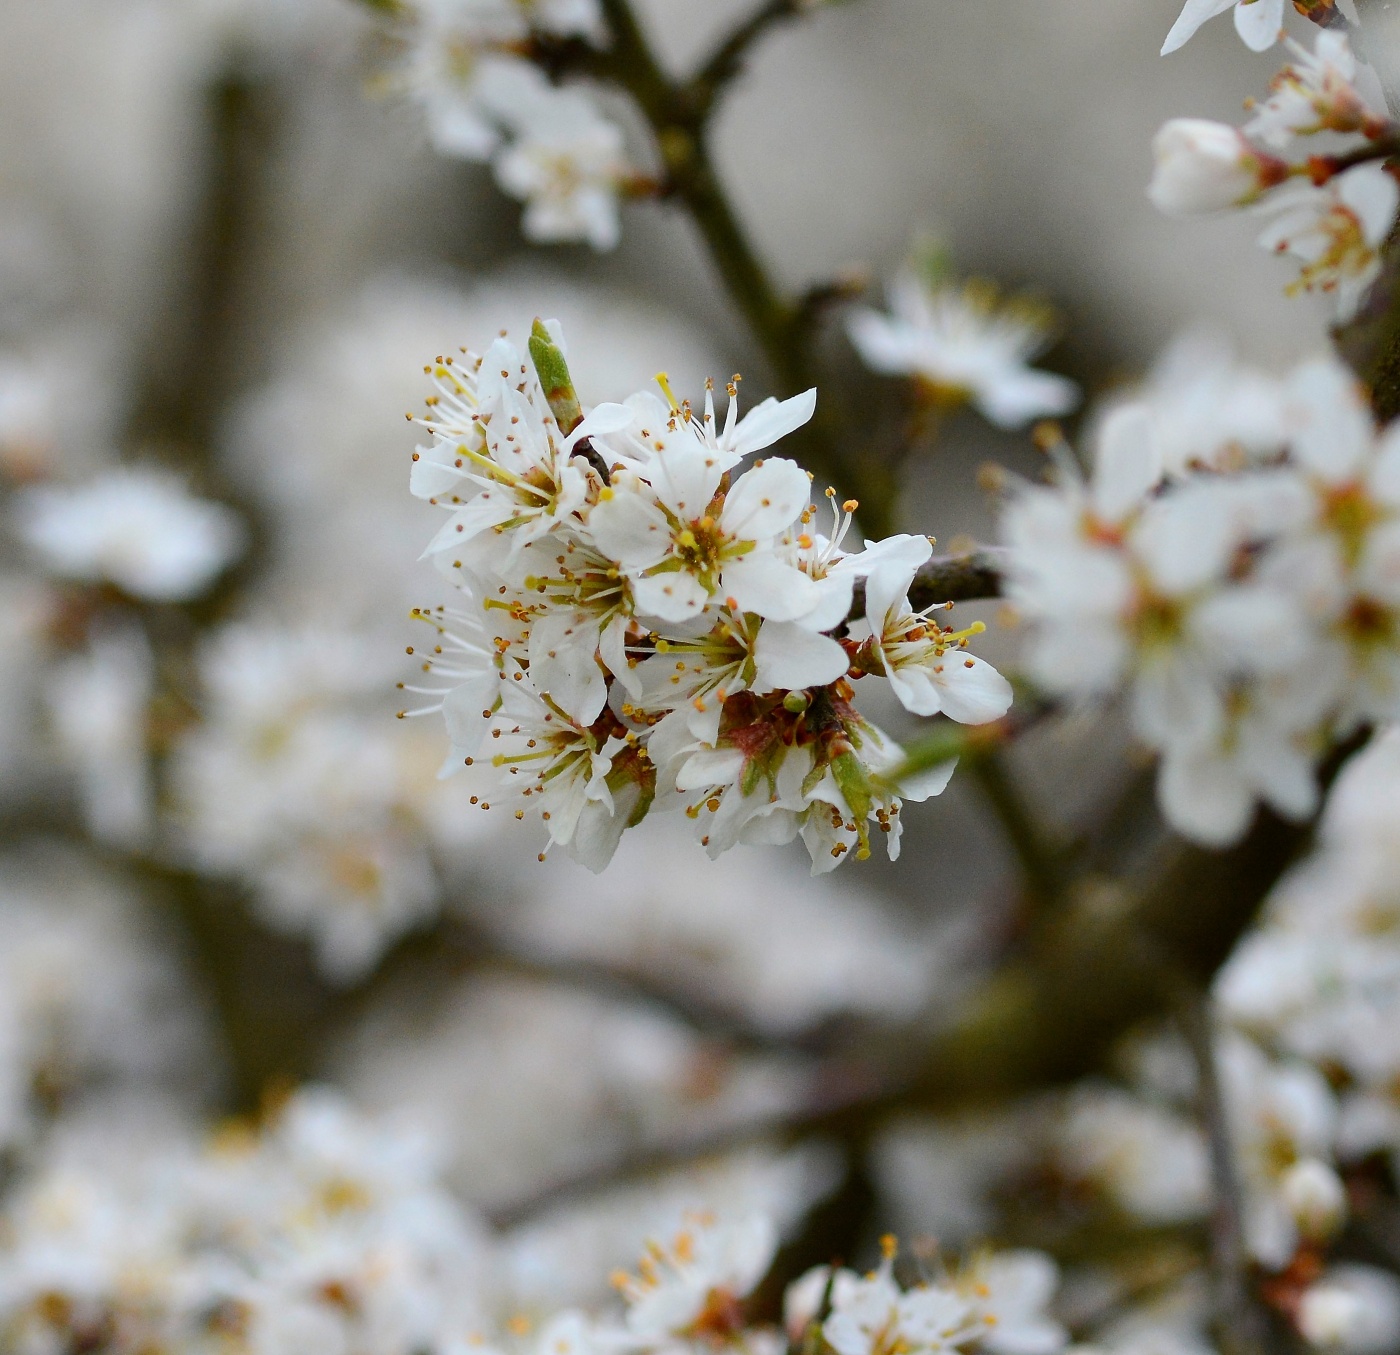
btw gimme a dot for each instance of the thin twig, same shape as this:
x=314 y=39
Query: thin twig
x=728 y=57
x=948 y=578
x=1238 y=1320
x=677 y=113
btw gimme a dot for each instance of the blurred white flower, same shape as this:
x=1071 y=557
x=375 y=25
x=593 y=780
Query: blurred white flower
x=692 y=1286
x=1353 y=1309
x=567 y=164
x=137 y=528
x=1316 y=93
x=964 y=343
x=1202 y=166
x=1337 y=230
x=298 y=782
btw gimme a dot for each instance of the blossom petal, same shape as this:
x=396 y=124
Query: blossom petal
x=790 y=657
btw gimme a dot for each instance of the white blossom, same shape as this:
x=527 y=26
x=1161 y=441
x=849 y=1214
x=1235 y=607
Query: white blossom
x=964 y=343
x=138 y=528
x=1336 y=230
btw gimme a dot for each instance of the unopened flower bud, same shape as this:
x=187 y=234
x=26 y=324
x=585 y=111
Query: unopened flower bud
x=1203 y=166
x=1315 y=1196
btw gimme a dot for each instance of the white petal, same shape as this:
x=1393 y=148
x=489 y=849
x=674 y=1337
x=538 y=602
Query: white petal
x=765 y=500
x=925 y=785
x=1204 y=798
x=672 y=595
x=791 y=657
x=628 y=529
x=883 y=345
x=1193 y=15
x=1127 y=465
x=769 y=587
x=1259 y=23
x=1329 y=423
x=490 y=507
x=1016 y=396
x=972 y=692
x=765 y=424
x=710 y=767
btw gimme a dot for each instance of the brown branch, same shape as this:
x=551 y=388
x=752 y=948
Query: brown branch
x=728 y=57
x=948 y=578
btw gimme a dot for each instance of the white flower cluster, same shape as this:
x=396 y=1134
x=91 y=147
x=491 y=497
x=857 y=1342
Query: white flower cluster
x=646 y=625
x=1332 y=212
x=485 y=100
x=323 y=1233
x=1246 y=600
x=1321 y=978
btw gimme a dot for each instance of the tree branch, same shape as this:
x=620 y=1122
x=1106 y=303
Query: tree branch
x=728 y=57
x=1238 y=1322
x=1043 y=862
x=677 y=119
x=948 y=578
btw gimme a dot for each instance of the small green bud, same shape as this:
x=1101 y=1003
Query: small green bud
x=555 y=379
x=796 y=702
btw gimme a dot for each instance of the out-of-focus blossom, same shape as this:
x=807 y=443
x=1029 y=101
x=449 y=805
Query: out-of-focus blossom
x=1353 y=1309
x=298 y=782
x=965 y=343
x=566 y=163
x=137 y=528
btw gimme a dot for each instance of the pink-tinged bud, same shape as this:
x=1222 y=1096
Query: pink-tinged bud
x=1206 y=166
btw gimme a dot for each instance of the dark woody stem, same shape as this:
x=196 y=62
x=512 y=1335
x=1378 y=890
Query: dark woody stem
x=678 y=113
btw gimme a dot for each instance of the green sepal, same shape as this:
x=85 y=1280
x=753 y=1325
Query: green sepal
x=554 y=377
x=854 y=785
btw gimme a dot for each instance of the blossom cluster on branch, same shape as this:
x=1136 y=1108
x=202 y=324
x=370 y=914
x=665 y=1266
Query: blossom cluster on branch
x=468 y=63
x=648 y=625
x=1332 y=211
x=1241 y=584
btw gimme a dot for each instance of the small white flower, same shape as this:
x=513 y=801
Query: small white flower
x=679 y=553
x=964 y=343
x=566 y=163
x=139 y=529
x=1337 y=230
x=1317 y=93
x=927 y=666
x=694 y=1287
